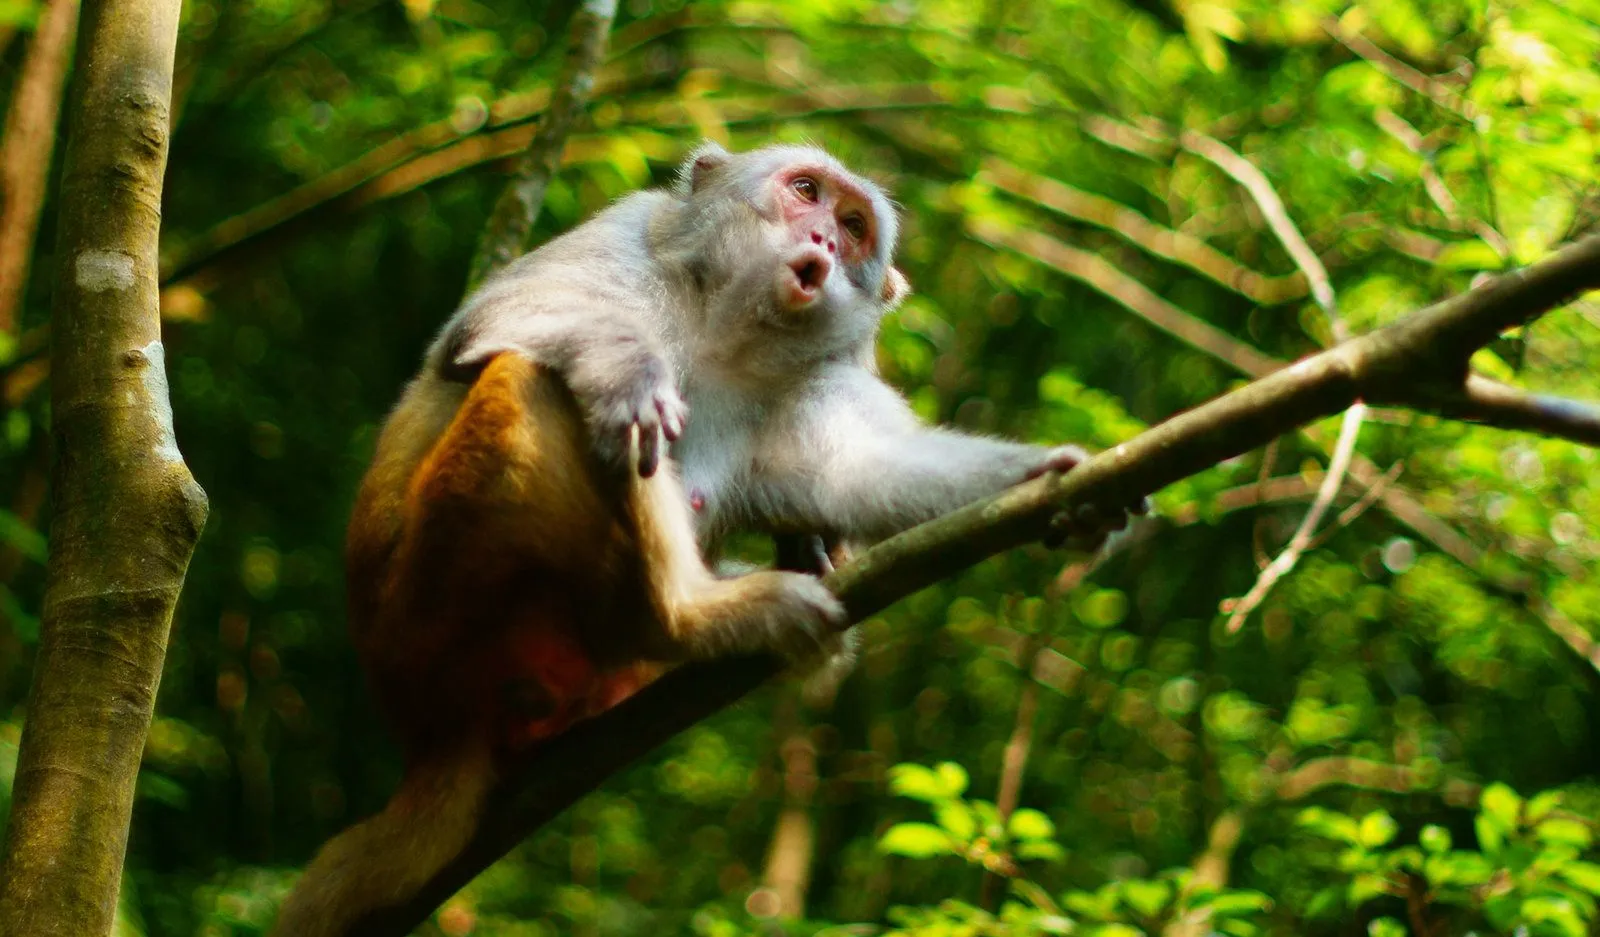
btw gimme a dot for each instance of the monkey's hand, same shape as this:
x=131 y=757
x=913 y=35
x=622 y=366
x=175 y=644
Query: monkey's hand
x=644 y=398
x=1087 y=526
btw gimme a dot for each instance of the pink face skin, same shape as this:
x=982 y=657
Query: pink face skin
x=831 y=222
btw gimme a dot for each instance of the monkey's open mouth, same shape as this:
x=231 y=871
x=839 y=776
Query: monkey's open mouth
x=810 y=272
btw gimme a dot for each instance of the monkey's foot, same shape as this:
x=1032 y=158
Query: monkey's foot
x=798 y=617
x=1087 y=526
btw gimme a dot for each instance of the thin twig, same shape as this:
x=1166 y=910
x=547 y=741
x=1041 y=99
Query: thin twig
x=1266 y=198
x=27 y=147
x=1097 y=272
x=1164 y=242
x=1014 y=760
x=1239 y=609
x=1397 y=127
x=1368 y=498
x=508 y=232
x=1272 y=209
x=1425 y=85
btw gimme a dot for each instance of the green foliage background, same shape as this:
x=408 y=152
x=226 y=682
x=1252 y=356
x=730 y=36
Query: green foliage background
x=1425 y=648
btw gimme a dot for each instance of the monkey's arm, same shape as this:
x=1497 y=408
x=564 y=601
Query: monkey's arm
x=597 y=340
x=857 y=462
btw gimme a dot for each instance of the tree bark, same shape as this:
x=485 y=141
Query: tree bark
x=127 y=512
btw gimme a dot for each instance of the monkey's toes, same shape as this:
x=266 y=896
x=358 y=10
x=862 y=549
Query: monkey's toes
x=1087 y=526
x=808 y=619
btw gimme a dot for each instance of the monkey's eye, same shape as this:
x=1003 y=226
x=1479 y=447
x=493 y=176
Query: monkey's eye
x=856 y=226
x=805 y=187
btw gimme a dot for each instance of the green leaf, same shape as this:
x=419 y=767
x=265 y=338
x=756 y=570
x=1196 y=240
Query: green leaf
x=917 y=782
x=1385 y=927
x=1557 y=912
x=1029 y=824
x=1233 y=903
x=1540 y=805
x=1365 y=887
x=953 y=777
x=1146 y=897
x=1502 y=804
x=1564 y=832
x=1458 y=868
x=1327 y=823
x=153 y=785
x=27 y=541
x=1469 y=255
x=1490 y=839
x=956 y=819
x=916 y=841
x=1585 y=875
x=1377 y=829
x=1435 y=839
x=1043 y=851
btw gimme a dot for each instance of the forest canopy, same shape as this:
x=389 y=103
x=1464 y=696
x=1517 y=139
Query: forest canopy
x=1340 y=684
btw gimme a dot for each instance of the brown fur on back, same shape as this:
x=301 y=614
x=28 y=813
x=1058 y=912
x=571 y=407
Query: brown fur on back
x=450 y=634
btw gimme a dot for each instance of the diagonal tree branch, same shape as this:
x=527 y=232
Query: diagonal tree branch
x=507 y=233
x=1164 y=242
x=1427 y=349
x=1266 y=197
x=1102 y=275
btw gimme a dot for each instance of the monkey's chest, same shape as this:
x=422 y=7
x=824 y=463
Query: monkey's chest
x=715 y=455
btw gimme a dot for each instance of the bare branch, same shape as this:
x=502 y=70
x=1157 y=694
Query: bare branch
x=1099 y=273
x=509 y=229
x=439 y=150
x=1164 y=242
x=1431 y=88
x=1495 y=404
x=1266 y=197
x=1368 y=498
x=1312 y=776
x=27 y=147
x=1239 y=609
x=571 y=765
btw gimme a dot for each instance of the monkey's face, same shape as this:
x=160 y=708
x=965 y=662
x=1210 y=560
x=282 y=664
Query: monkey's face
x=831 y=227
x=800 y=252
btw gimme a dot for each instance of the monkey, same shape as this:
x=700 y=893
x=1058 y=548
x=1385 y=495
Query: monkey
x=530 y=543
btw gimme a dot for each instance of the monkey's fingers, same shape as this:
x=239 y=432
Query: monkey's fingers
x=674 y=414
x=659 y=419
x=1059 y=459
x=650 y=446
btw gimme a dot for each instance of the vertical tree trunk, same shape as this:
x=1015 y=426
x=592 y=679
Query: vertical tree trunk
x=127 y=511
x=26 y=149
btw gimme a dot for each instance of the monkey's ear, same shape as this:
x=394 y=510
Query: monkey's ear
x=706 y=159
x=895 y=289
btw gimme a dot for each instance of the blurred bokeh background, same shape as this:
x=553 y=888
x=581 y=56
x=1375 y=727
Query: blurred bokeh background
x=1088 y=191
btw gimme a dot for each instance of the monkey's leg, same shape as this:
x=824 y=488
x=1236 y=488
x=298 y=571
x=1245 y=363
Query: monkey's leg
x=702 y=616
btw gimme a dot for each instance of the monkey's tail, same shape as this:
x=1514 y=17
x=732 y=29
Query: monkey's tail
x=379 y=863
